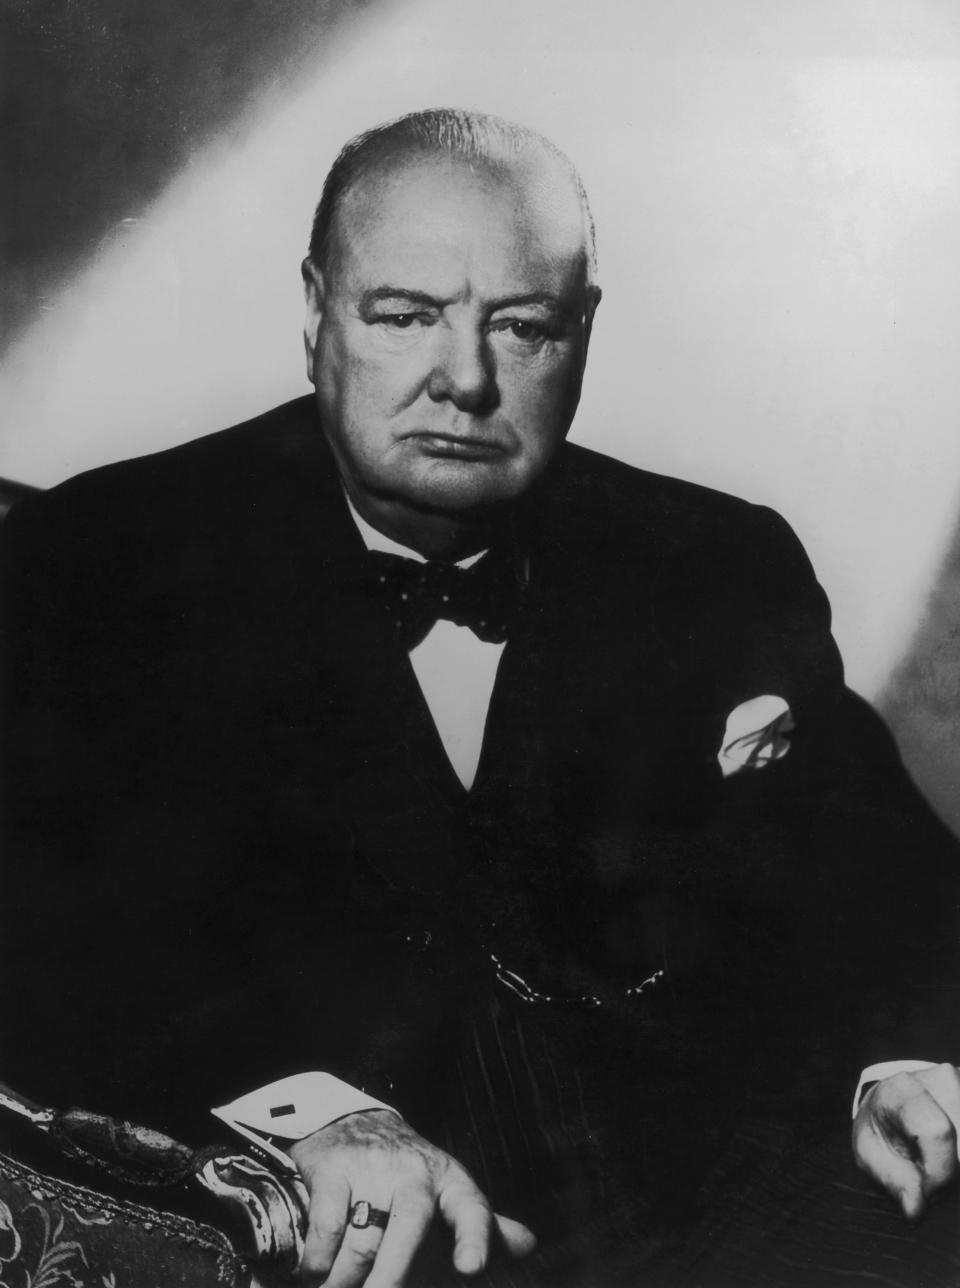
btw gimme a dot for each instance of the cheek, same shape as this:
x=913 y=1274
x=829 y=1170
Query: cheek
x=538 y=400
x=382 y=383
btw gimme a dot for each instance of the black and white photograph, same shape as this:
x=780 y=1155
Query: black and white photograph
x=480 y=643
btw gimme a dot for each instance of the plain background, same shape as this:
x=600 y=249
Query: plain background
x=776 y=186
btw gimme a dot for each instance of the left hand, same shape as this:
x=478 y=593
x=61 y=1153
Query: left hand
x=906 y=1134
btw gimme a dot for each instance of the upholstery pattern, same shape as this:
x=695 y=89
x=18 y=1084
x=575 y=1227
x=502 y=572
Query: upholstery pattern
x=54 y=1234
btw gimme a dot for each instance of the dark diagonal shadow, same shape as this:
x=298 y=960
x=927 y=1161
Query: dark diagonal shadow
x=921 y=700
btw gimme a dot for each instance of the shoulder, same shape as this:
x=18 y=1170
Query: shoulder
x=272 y=443
x=216 y=480
x=212 y=512
x=594 y=476
x=611 y=506
x=725 y=583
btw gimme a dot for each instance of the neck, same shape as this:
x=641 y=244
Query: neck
x=444 y=537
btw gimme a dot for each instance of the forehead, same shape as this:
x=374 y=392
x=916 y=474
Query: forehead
x=445 y=225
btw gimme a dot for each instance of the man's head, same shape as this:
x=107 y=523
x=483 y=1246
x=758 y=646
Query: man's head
x=450 y=293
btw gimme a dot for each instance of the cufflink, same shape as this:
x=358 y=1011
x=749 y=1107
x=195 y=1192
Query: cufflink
x=276 y=1116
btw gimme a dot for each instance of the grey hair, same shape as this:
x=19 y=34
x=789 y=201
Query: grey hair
x=476 y=137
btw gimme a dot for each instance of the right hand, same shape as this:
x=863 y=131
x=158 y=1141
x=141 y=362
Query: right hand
x=374 y=1155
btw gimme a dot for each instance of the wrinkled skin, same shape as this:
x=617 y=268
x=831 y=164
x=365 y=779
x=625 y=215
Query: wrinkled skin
x=906 y=1134
x=376 y=1156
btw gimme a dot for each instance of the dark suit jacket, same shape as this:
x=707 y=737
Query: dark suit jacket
x=239 y=850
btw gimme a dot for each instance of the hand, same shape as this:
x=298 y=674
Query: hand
x=906 y=1134
x=374 y=1155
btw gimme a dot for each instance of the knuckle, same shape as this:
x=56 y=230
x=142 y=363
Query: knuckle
x=926 y=1125
x=364 y=1254
x=414 y=1173
x=412 y=1203
x=321 y=1246
x=895 y=1093
x=899 y=1084
x=327 y=1231
x=914 y=1117
x=318 y=1169
x=941 y=1132
x=314 y=1265
x=461 y=1186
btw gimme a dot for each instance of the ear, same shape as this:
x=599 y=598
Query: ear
x=314 y=290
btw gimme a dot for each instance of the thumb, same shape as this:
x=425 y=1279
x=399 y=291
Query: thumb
x=519 y=1241
x=899 y=1175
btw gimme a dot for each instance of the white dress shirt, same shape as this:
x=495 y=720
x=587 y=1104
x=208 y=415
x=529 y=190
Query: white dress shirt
x=456 y=671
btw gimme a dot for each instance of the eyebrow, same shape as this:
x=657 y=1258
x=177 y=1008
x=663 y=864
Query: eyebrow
x=542 y=298
x=378 y=294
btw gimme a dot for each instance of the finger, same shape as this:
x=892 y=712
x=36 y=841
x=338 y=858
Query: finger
x=943 y=1083
x=356 y=1257
x=411 y=1214
x=326 y=1223
x=931 y=1135
x=890 y=1168
x=468 y=1215
x=516 y=1238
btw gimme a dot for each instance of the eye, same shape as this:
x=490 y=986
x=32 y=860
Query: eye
x=523 y=330
x=402 y=321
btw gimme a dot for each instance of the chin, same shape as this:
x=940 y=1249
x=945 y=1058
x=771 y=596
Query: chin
x=466 y=497
x=462 y=490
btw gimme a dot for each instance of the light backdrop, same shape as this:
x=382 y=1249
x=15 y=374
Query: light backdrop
x=777 y=192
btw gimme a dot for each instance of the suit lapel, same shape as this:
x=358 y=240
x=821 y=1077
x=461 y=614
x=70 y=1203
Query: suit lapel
x=593 y=711
x=566 y=741
x=382 y=758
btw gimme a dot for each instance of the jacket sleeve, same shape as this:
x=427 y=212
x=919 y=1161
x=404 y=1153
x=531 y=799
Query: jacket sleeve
x=858 y=879
x=172 y=936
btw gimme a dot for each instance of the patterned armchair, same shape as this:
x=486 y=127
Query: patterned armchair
x=63 y=1225
x=94 y=1202
x=57 y=1234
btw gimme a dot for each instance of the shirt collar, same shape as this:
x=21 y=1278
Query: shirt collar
x=373 y=539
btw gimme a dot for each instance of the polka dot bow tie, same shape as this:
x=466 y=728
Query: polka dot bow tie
x=486 y=597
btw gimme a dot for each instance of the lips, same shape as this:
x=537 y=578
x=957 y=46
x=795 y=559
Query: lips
x=462 y=447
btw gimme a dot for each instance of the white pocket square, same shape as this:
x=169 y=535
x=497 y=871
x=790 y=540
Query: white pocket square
x=756 y=734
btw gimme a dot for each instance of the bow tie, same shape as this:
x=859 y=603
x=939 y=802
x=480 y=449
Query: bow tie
x=486 y=597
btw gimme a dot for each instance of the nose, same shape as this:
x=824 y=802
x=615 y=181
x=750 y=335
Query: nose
x=463 y=369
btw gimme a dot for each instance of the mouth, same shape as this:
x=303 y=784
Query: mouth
x=460 y=447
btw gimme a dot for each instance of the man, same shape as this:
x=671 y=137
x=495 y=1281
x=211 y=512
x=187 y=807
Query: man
x=564 y=861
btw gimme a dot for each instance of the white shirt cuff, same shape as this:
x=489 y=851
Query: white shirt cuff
x=283 y=1112
x=886 y=1069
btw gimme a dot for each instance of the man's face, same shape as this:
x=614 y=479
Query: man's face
x=447 y=338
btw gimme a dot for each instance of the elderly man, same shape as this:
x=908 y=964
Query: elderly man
x=508 y=795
